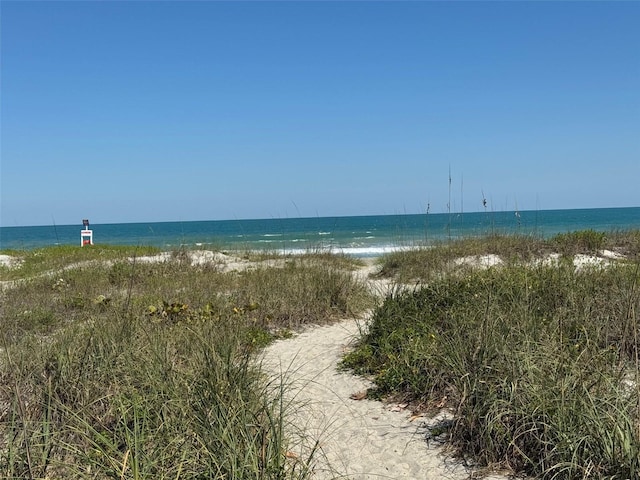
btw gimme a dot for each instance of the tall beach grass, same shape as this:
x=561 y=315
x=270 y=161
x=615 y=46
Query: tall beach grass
x=538 y=362
x=111 y=367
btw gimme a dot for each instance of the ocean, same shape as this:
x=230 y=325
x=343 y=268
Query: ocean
x=357 y=235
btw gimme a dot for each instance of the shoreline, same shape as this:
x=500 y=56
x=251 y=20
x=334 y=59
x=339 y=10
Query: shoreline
x=375 y=232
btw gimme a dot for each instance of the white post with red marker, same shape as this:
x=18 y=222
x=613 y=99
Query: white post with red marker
x=86 y=235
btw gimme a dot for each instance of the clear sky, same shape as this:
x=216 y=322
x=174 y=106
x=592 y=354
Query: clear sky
x=177 y=111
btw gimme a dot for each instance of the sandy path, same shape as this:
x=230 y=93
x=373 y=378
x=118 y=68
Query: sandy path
x=358 y=439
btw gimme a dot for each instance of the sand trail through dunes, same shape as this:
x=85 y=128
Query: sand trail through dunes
x=357 y=439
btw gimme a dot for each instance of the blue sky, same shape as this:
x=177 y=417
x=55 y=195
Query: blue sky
x=177 y=111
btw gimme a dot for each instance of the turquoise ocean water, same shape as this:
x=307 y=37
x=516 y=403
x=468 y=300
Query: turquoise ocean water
x=360 y=236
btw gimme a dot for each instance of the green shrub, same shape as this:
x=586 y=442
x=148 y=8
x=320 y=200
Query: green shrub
x=531 y=359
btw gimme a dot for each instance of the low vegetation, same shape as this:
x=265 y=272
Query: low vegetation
x=423 y=264
x=115 y=367
x=539 y=362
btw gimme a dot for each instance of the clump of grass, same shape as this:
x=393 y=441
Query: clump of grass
x=326 y=258
x=540 y=364
x=624 y=242
x=581 y=241
x=307 y=293
x=122 y=369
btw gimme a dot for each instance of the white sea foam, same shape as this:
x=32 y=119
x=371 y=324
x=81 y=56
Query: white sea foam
x=373 y=251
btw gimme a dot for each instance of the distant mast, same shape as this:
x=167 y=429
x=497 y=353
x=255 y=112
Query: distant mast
x=86 y=235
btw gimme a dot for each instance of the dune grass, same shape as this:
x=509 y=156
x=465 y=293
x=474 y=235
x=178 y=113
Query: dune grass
x=116 y=368
x=423 y=264
x=44 y=260
x=112 y=367
x=538 y=363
